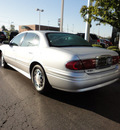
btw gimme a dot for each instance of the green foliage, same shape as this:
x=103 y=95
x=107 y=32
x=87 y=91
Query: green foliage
x=115 y=50
x=103 y=11
x=4 y=28
x=12 y=28
x=96 y=45
x=112 y=47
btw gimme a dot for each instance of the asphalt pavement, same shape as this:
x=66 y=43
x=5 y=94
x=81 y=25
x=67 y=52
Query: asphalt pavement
x=22 y=108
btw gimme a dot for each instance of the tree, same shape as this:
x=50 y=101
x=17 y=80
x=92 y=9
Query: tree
x=103 y=11
x=3 y=28
x=12 y=27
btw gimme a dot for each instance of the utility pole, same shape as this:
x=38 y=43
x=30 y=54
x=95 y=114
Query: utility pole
x=87 y=29
x=61 y=20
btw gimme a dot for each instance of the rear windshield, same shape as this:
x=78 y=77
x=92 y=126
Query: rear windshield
x=65 y=40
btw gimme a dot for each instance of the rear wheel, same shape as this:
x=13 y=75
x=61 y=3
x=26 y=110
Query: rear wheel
x=2 y=61
x=39 y=79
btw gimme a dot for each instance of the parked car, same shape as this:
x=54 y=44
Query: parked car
x=93 y=38
x=108 y=42
x=105 y=43
x=2 y=36
x=60 y=60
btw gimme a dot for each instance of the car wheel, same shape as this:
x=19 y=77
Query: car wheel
x=39 y=79
x=103 y=46
x=2 y=61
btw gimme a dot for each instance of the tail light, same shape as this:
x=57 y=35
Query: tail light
x=88 y=64
x=98 y=40
x=111 y=43
x=115 y=60
x=74 y=65
x=2 y=35
x=81 y=64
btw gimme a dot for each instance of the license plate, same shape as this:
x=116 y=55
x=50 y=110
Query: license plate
x=103 y=61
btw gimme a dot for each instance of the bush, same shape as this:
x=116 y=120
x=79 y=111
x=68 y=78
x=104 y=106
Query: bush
x=115 y=49
x=96 y=45
x=112 y=47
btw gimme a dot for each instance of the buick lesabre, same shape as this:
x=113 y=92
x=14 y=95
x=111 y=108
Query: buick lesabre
x=60 y=60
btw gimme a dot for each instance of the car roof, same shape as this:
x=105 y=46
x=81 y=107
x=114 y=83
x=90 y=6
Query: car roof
x=43 y=31
x=84 y=33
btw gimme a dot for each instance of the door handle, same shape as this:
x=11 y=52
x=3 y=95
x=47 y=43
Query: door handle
x=30 y=53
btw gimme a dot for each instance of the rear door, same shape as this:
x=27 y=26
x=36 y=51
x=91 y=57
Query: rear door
x=25 y=53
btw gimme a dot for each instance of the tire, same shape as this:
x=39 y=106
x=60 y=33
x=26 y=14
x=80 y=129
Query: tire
x=103 y=46
x=3 y=62
x=39 y=79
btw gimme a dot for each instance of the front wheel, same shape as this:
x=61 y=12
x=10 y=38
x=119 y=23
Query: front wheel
x=39 y=79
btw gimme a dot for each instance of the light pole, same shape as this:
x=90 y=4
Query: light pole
x=12 y=26
x=40 y=10
x=87 y=30
x=119 y=40
x=61 y=20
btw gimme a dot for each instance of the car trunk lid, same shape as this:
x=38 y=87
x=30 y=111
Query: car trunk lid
x=89 y=52
x=102 y=58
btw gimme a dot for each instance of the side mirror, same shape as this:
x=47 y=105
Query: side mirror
x=12 y=44
x=5 y=42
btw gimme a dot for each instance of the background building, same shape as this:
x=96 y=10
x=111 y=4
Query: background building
x=36 y=27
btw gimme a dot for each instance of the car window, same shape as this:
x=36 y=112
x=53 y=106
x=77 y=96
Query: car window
x=18 y=39
x=36 y=41
x=93 y=36
x=65 y=40
x=81 y=35
x=30 y=39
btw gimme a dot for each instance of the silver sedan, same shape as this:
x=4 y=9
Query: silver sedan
x=60 y=60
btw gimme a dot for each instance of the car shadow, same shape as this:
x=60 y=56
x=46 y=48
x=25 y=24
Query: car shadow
x=104 y=101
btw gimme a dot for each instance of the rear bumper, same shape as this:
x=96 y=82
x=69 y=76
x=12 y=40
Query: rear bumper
x=79 y=82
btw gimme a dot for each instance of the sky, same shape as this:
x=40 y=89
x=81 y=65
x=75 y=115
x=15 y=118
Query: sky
x=23 y=12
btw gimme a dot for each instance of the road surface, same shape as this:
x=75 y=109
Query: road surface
x=22 y=108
